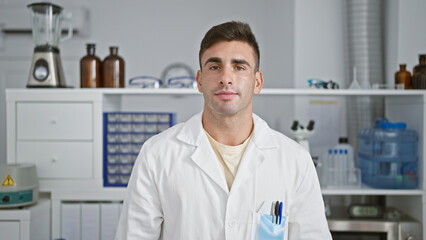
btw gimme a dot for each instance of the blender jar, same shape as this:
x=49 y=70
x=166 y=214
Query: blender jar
x=46 y=24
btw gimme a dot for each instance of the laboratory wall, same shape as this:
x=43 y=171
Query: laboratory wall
x=150 y=36
x=299 y=39
x=411 y=36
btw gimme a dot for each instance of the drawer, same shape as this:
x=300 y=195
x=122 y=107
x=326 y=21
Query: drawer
x=59 y=121
x=58 y=160
x=10 y=230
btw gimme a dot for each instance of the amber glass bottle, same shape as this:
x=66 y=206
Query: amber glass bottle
x=422 y=64
x=113 y=70
x=403 y=76
x=90 y=69
x=419 y=79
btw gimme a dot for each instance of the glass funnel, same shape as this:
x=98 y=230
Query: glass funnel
x=46 y=21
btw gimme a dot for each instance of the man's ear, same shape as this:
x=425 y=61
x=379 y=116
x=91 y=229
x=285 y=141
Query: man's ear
x=198 y=78
x=258 y=84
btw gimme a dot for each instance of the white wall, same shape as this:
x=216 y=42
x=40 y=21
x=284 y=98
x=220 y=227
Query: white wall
x=411 y=32
x=318 y=41
x=319 y=44
x=154 y=34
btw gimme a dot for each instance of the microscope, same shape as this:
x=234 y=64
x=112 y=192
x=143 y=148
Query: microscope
x=301 y=134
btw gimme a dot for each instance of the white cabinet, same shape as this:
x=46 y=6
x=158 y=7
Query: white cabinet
x=56 y=130
x=89 y=220
x=57 y=137
x=27 y=223
x=61 y=131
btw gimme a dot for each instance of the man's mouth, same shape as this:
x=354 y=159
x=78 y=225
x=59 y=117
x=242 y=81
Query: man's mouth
x=226 y=94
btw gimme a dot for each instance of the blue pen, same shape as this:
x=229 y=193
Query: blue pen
x=280 y=211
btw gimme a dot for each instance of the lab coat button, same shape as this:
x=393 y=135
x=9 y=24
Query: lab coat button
x=232 y=223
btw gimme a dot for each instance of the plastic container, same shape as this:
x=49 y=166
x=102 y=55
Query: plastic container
x=337 y=169
x=387 y=156
x=348 y=151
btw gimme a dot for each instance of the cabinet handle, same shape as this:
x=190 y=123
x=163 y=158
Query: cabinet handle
x=54 y=159
x=53 y=121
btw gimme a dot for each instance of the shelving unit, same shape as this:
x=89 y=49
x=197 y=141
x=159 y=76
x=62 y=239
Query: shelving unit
x=400 y=105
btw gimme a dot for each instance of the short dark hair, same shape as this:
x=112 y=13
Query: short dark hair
x=230 y=31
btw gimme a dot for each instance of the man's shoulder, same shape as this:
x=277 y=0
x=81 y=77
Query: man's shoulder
x=283 y=139
x=287 y=144
x=278 y=138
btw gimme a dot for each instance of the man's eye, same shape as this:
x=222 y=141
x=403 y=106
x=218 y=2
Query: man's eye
x=240 y=68
x=214 y=67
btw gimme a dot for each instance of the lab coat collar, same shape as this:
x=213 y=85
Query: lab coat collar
x=192 y=133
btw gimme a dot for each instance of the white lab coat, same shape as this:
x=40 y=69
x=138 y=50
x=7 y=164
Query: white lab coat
x=177 y=189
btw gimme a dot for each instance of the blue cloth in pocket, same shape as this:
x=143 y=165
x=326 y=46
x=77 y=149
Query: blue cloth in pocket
x=269 y=230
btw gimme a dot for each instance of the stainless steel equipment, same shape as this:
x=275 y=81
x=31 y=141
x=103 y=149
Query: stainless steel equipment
x=18 y=185
x=348 y=229
x=46 y=68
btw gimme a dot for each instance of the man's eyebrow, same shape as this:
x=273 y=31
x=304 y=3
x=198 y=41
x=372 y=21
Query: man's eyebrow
x=240 y=61
x=213 y=59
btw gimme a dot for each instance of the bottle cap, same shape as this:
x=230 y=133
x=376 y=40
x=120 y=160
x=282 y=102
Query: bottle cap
x=379 y=120
x=390 y=125
x=343 y=140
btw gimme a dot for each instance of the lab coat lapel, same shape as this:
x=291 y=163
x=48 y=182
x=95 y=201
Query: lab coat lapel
x=250 y=162
x=262 y=139
x=204 y=157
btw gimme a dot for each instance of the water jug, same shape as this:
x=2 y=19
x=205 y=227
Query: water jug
x=387 y=156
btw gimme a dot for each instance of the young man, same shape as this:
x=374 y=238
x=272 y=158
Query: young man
x=212 y=176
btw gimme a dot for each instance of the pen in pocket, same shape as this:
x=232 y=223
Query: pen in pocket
x=276 y=212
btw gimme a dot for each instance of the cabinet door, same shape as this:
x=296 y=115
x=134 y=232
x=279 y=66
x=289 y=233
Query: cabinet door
x=9 y=230
x=71 y=221
x=54 y=121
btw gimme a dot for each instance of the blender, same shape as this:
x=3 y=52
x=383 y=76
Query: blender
x=46 y=68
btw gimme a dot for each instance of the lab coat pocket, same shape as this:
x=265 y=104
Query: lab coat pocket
x=264 y=228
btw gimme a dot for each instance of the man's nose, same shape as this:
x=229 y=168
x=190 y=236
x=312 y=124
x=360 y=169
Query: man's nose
x=227 y=76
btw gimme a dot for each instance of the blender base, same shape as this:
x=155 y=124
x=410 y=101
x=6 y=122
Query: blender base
x=46 y=71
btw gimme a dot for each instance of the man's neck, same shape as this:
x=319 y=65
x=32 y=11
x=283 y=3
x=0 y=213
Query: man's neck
x=229 y=130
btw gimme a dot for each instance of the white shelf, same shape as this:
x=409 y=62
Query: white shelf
x=103 y=194
x=340 y=92
x=372 y=191
x=187 y=91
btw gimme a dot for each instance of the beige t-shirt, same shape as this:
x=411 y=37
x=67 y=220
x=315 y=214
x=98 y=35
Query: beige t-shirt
x=229 y=157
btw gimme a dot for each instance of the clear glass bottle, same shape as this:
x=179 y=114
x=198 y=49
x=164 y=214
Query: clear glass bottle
x=403 y=76
x=113 y=70
x=90 y=69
